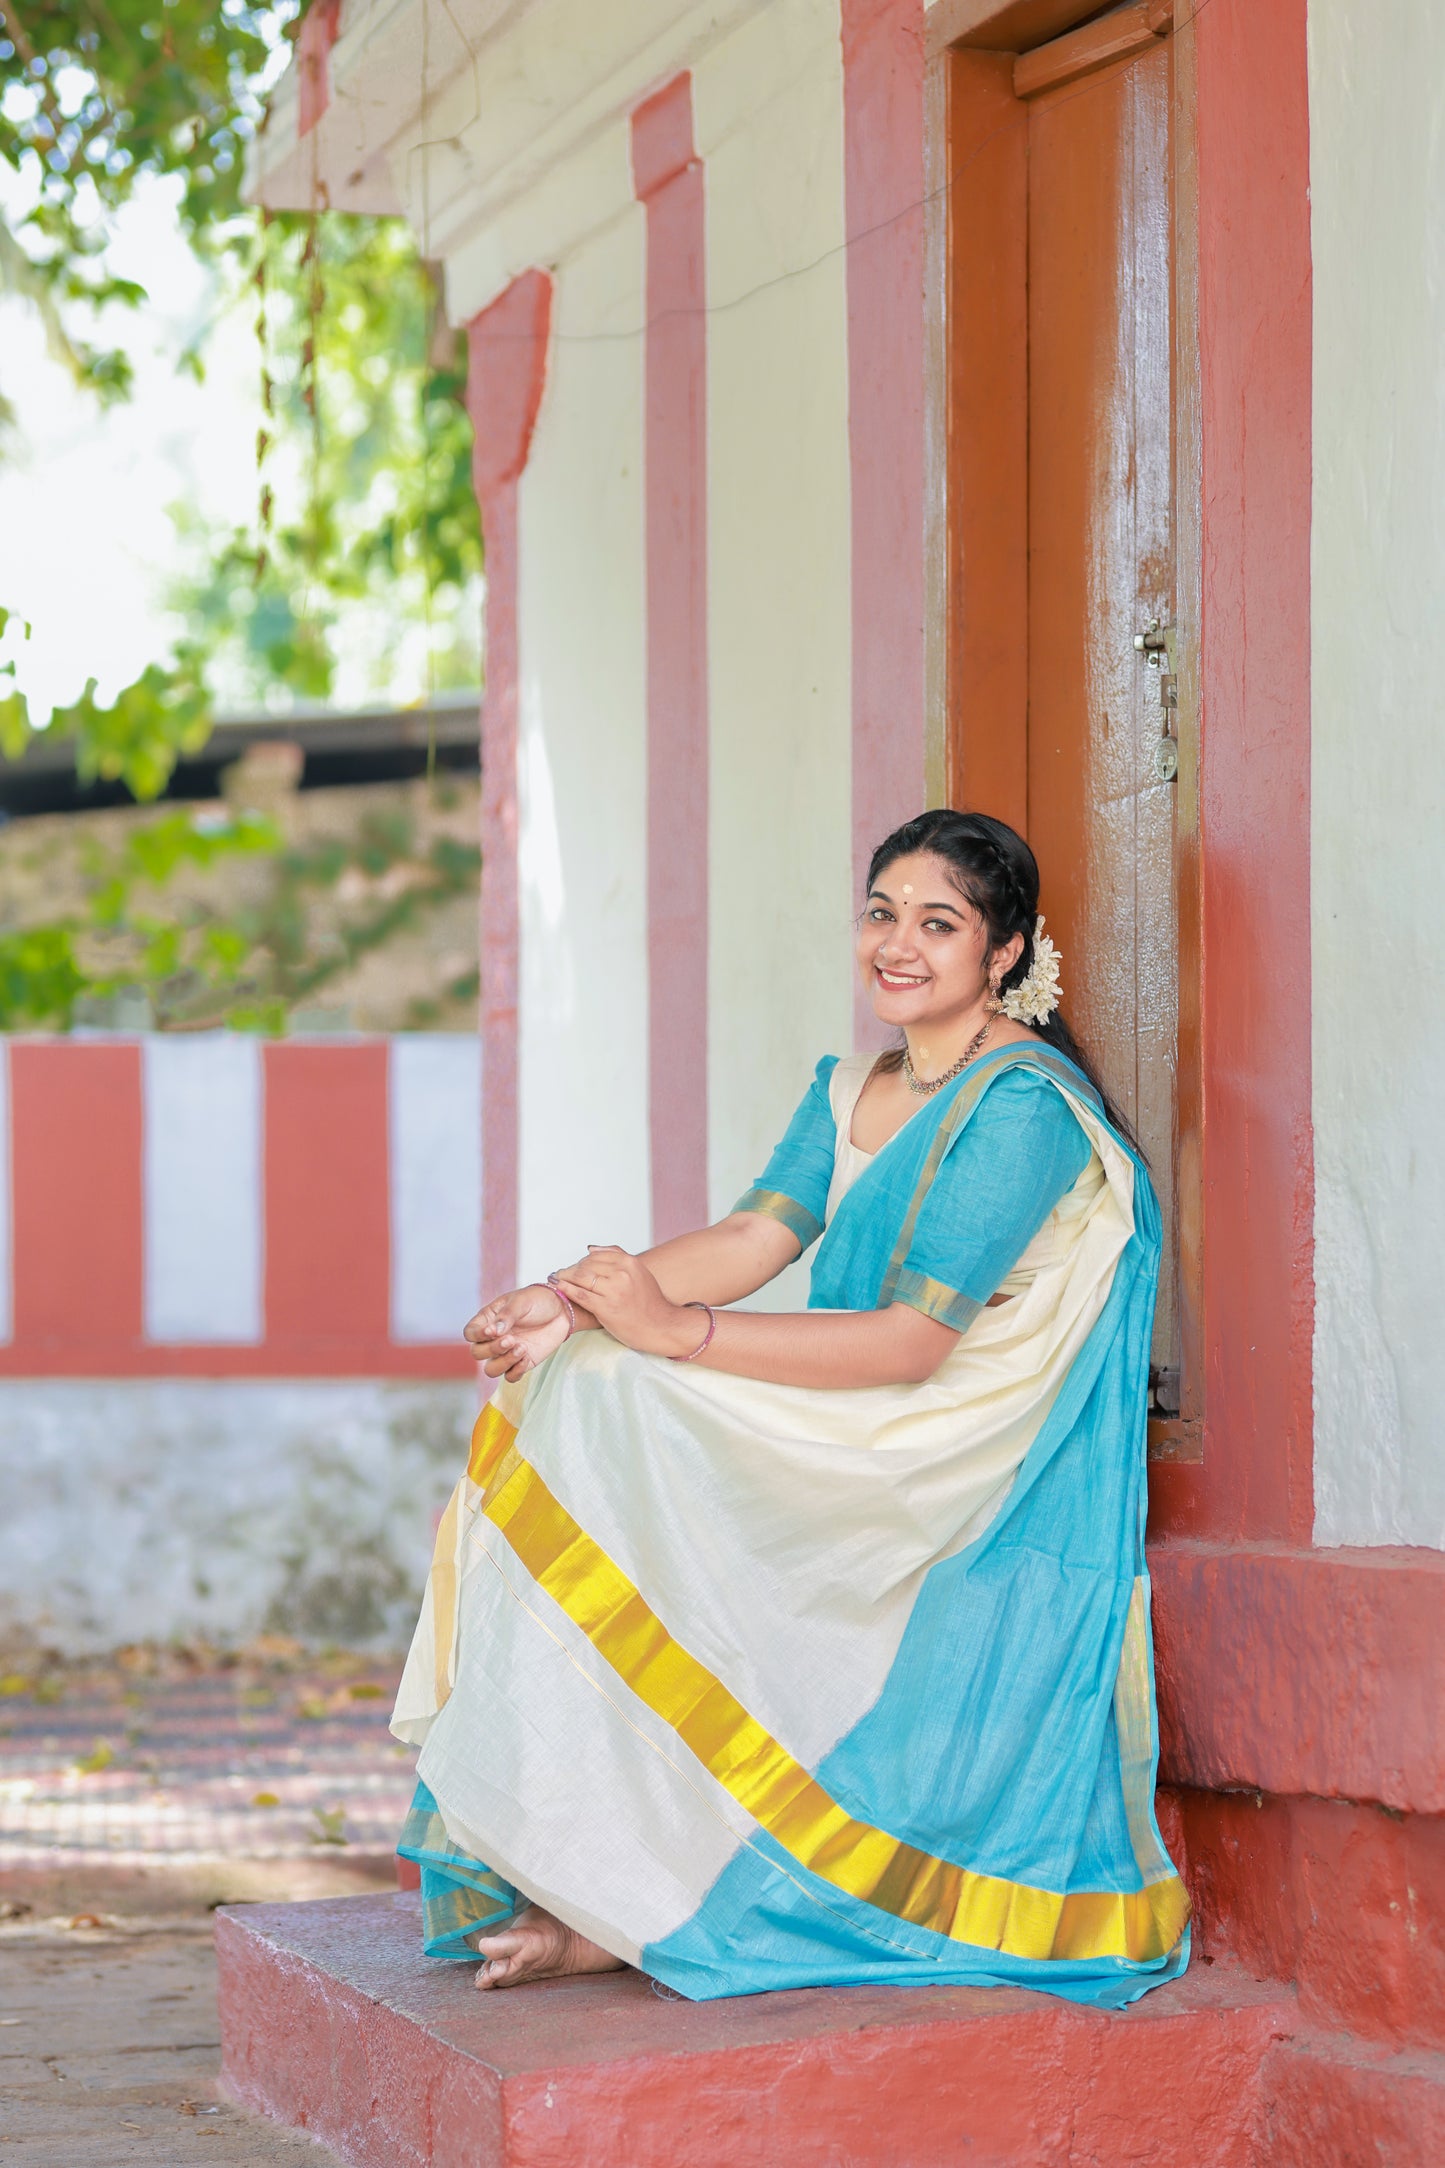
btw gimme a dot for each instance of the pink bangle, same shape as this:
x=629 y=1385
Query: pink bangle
x=566 y=1304
x=706 y=1341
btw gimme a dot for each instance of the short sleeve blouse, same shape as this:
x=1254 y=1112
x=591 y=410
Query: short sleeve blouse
x=1019 y=1154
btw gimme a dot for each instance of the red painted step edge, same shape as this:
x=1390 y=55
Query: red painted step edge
x=1345 y=1901
x=332 y=2021
x=1318 y=1672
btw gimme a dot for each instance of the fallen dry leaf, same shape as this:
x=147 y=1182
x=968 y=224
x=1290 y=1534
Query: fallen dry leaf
x=15 y=1682
x=366 y=1690
x=265 y=1799
x=332 y=1825
x=101 y=1755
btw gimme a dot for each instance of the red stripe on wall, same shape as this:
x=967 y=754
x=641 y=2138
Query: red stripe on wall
x=668 y=178
x=76 y=1168
x=320 y=28
x=1256 y=1478
x=506 y=373
x=883 y=207
x=328 y=1236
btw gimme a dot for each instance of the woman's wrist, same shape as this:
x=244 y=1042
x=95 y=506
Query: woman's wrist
x=688 y=1330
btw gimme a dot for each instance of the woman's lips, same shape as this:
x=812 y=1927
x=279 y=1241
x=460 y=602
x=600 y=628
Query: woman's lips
x=896 y=980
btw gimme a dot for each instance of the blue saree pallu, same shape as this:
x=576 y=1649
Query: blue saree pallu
x=764 y=1687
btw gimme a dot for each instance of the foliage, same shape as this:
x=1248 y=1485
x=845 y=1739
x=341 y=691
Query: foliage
x=364 y=503
x=365 y=450
x=138 y=739
x=367 y=470
x=40 y=979
x=315 y=910
x=94 y=94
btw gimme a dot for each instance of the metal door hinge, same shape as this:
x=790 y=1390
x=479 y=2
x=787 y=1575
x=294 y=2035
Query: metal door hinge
x=1163 y=1392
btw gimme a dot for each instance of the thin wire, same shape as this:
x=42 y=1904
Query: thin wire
x=428 y=624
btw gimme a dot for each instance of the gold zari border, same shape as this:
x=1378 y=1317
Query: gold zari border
x=1141 y=1925
x=776 y=1204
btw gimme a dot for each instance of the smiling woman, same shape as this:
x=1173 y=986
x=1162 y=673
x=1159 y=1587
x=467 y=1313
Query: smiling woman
x=766 y=1650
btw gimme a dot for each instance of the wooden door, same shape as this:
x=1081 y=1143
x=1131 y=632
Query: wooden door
x=1062 y=537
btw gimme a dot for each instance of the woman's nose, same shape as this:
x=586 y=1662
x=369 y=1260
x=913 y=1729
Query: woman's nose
x=898 y=943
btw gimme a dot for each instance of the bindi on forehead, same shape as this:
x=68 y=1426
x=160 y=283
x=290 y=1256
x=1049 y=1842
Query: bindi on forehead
x=908 y=888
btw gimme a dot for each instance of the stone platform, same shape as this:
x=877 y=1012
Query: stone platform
x=332 y=2021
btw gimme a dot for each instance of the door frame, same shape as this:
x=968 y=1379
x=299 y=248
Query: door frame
x=976 y=503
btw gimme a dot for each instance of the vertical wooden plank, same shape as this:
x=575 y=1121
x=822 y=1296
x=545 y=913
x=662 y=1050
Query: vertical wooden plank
x=328 y=1266
x=1081 y=665
x=76 y=1128
x=883 y=206
x=987 y=301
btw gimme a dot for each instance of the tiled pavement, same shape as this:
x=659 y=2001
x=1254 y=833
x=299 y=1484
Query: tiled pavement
x=191 y=1776
x=135 y=1794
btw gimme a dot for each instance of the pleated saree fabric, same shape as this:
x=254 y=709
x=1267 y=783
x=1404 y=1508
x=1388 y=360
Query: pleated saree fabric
x=761 y=1686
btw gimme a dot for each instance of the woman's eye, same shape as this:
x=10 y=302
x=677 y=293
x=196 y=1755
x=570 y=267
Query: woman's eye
x=937 y=925
x=878 y=914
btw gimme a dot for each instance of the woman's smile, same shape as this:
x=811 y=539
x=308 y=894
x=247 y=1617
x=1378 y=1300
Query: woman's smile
x=899 y=980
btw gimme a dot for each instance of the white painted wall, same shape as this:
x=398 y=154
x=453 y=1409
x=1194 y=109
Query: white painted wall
x=1377 y=133
x=583 y=768
x=434 y=1142
x=769 y=125
x=218 y=1509
x=202 y=1184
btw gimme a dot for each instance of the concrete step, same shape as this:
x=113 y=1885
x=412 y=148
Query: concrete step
x=333 y=2021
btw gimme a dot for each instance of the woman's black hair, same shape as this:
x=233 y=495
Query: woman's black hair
x=993 y=868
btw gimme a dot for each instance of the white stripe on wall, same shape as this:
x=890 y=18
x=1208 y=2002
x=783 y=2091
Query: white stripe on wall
x=203 y=1188
x=434 y=1118
x=7 y=1306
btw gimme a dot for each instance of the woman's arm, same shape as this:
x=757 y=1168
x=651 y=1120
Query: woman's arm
x=722 y=1263
x=718 y=1264
x=896 y=1346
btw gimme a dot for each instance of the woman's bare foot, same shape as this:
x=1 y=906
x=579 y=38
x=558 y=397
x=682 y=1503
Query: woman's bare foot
x=537 y=1947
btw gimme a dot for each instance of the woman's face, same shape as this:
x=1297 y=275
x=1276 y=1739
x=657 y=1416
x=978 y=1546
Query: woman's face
x=922 y=947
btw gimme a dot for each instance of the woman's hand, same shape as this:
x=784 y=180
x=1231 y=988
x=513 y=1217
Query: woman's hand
x=511 y=1335
x=626 y=1301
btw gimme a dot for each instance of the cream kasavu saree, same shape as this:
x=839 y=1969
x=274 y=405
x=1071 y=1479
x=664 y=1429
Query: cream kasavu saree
x=761 y=1686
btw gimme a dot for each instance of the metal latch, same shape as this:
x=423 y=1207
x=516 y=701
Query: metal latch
x=1156 y=644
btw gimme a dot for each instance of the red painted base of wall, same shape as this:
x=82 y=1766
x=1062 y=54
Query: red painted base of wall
x=1345 y=1901
x=333 y=2021
x=1296 y=1672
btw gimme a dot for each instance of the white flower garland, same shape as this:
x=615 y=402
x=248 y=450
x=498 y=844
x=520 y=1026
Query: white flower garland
x=1035 y=998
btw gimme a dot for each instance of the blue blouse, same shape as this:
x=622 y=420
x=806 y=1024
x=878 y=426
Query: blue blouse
x=954 y=1236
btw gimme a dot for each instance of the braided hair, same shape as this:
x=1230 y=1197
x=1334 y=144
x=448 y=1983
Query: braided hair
x=993 y=869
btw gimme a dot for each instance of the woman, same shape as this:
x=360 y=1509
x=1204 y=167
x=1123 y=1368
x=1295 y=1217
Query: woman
x=772 y=1651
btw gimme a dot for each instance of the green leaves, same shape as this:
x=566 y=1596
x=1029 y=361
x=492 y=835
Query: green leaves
x=372 y=520
x=241 y=954
x=138 y=739
x=39 y=978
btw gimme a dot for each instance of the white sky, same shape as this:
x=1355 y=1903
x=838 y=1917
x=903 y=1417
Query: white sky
x=86 y=545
